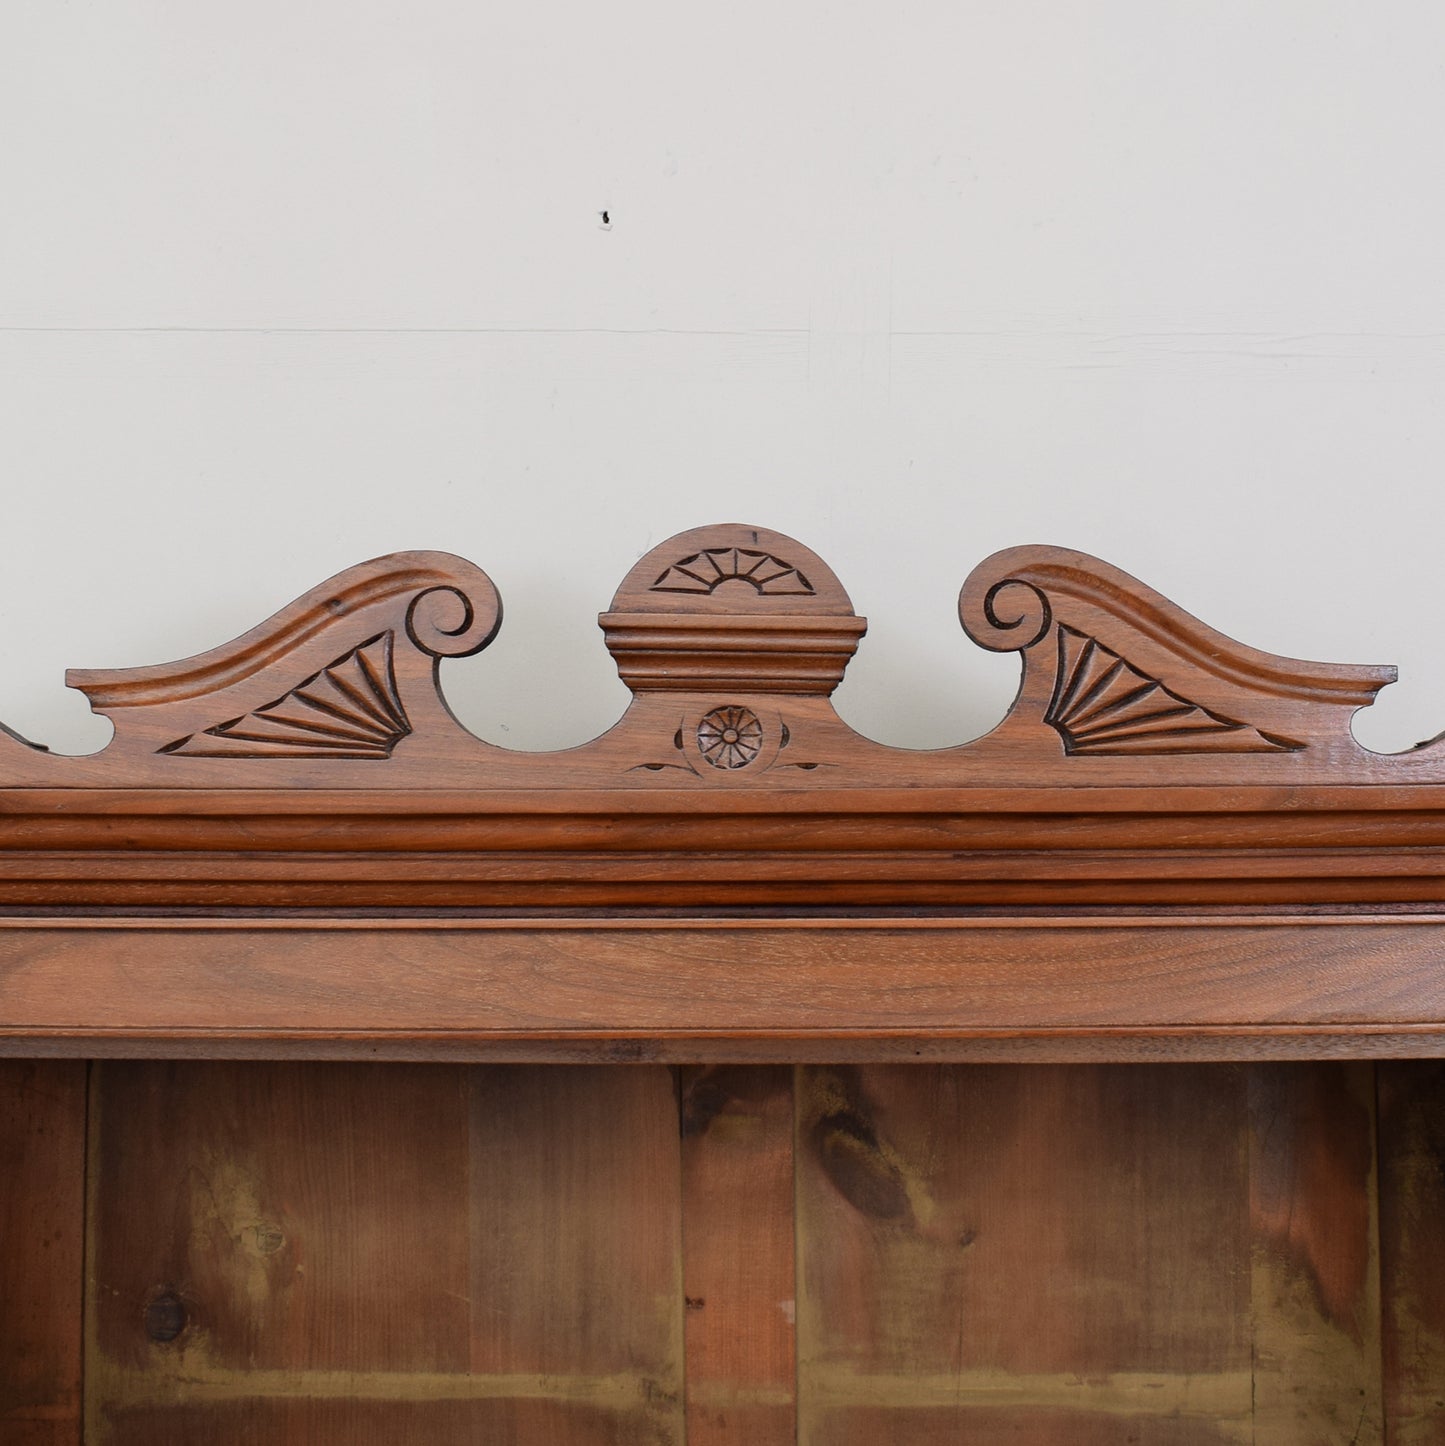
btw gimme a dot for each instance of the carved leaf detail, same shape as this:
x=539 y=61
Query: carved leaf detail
x=704 y=571
x=1103 y=704
x=350 y=709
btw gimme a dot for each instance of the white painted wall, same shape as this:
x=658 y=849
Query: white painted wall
x=286 y=285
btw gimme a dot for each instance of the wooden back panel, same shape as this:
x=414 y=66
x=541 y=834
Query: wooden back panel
x=348 y=1254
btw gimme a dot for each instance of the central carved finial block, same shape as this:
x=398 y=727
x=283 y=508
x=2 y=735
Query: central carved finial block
x=732 y=607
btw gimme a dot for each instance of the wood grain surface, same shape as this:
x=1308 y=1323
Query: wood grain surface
x=737 y=1181
x=1412 y=1249
x=971 y=1264
x=337 y=1254
x=618 y=988
x=576 y=1252
x=362 y=1253
x=42 y=1212
x=1089 y=1254
x=255 y=1232
x=1075 y=844
x=1315 y=1285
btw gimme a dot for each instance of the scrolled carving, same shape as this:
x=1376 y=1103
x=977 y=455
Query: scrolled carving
x=365 y=645
x=731 y=639
x=1130 y=673
x=1013 y=615
x=446 y=623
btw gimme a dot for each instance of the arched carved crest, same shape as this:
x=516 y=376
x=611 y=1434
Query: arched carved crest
x=732 y=640
x=1116 y=670
x=344 y=673
x=1117 y=681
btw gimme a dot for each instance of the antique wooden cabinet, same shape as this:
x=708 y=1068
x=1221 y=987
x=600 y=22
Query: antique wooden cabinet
x=733 y=1078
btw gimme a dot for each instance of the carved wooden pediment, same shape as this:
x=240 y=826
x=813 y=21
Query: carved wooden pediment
x=1146 y=758
x=727 y=618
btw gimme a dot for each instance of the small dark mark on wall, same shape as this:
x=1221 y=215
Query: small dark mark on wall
x=606 y=220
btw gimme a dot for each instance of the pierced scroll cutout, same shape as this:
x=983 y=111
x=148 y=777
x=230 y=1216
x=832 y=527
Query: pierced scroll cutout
x=705 y=571
x=350 y=709
x=1103 y=704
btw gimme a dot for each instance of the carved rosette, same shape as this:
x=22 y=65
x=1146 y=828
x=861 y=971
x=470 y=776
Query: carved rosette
x=721 y=743
x=730 y=737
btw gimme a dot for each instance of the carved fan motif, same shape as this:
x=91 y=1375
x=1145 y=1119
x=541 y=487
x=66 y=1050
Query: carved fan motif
x=350 y=709
x=704 y=571
x=1104 y=704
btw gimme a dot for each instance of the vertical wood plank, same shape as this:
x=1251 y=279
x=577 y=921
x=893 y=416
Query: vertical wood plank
x=1171 y=1256
x=42 y=1200
x=1068 y=1255
x=268 y=1235
x=1315 y=1268
x=361 y=1255
x=1042 y=1254
x=737 y=1189
x=1412 y=1249
x=576 y=1270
